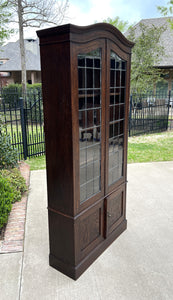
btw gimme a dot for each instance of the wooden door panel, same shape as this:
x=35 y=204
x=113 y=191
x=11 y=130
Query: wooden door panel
x=89 y=230
x=115 y=210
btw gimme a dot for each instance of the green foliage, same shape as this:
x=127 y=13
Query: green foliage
x=145 y=55
x=167 y=11
x=164 y=10
x=12 y=93
x=16 y=181
x=4 y=20
x=18 y=87
x=8 y=155
x=2 y=126
x=6 y=198
x=119 y=24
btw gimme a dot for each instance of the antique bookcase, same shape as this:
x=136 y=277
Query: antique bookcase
x=85 y=83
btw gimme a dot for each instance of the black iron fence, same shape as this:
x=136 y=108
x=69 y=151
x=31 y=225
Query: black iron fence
x=170 y=113
x=24 y=122
x=150 y=113
x=24 y=118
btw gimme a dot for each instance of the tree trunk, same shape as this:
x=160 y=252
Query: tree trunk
x=22 y=47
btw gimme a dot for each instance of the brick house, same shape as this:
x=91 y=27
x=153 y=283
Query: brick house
x=10 y=64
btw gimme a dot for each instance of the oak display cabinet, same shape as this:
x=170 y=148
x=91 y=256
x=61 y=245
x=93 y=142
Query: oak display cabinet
x=85 y=82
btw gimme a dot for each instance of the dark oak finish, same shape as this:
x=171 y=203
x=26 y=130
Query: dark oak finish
x=85 y=78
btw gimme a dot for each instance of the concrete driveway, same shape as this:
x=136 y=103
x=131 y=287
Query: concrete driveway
x=137 y=266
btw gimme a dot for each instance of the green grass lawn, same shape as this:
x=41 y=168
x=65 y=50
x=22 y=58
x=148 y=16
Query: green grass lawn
x=144 y=148
x=31 y=129
x=37 y=163
x=153 y=147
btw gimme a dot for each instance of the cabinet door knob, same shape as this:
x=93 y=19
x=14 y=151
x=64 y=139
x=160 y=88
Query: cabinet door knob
x=109 y=215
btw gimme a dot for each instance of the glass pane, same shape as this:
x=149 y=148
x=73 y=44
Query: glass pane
x=97 y=62
x=122 y=100
x=117 y=96
x=122 y=111
x=118 y=78
x=96 y=76
x=112 y=78
x=89 y=90
x=83 y=175
x=123 y=76
x=116 y=117
x=81 y=61
x=96 y=185
x=89 y=74
x=83 y=193
x=89 y=62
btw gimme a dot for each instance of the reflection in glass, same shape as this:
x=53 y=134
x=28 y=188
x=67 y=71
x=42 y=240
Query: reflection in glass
x=116 y=117
x=89 y=91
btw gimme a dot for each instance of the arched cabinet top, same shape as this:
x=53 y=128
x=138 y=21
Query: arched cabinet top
x=83 y=34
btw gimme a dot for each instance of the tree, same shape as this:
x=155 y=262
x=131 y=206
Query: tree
x=145 y=57
x=4 y=19
x=121 y=25
x=166 y=11
x=34 y=13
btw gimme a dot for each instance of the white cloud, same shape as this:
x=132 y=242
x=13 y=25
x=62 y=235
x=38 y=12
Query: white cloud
x=98 y=10
x=76 y=16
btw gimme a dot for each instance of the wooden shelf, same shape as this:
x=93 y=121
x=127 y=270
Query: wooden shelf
x=88 y=95
x=114 y=94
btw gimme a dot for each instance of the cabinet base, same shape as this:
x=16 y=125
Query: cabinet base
x=76 y=271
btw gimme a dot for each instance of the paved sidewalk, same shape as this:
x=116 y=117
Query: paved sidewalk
x=137 y=266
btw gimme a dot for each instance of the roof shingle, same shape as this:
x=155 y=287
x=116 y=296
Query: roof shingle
x=11 y=51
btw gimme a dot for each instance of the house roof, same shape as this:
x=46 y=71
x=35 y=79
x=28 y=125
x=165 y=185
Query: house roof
x=11 y=52
x=166 y=40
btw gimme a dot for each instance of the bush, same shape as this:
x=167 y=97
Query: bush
x=12 y=93
x=8 y=155
x=6 y=198
x=16 y=181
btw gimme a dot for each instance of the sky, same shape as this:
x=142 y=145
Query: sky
x=86 y=12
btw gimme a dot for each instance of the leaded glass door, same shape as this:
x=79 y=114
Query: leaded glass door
x=90 y=103
x=116 y=108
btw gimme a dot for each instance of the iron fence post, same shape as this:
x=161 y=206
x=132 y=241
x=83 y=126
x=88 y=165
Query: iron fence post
x=169 y=99
x=23 y=125
x=130 y=114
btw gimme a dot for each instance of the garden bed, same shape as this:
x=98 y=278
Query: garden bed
x=12 y=235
